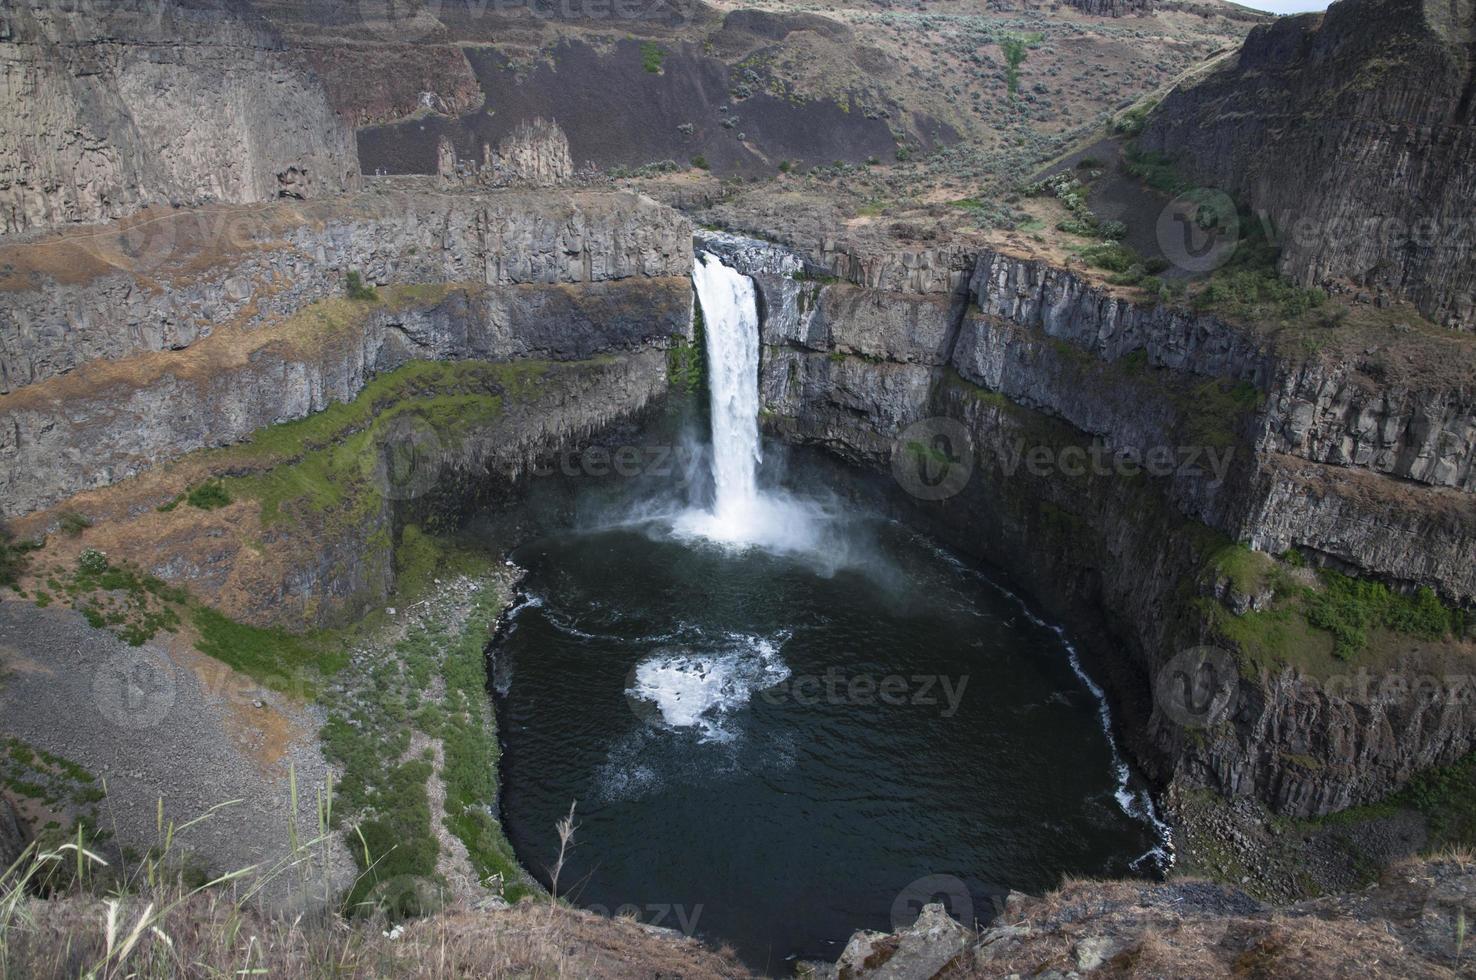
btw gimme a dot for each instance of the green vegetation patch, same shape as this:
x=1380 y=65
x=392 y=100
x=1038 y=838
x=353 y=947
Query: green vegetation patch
x=384 y=716
x=1154 y=169
x=1447 y=798
x=281 y=661
x=1016 y=48
x=652 y=56
x=73 y=523
x=15 y=557
x=1131 y=122
x=684 y=359
x=121 y=598
x=208 y=496
x=1349 y=607
x=357 y=290
x=1315 y=627
x=1215 y=412
x=331 y=462
x=46 y=778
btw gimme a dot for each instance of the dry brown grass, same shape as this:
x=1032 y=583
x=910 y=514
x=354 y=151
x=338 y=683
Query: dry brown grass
x=157 y=925
x=212 y=936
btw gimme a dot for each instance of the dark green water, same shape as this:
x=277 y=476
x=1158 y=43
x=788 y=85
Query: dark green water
x=772 y=753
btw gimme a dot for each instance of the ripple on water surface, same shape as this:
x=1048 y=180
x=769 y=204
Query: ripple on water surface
x=782 y=757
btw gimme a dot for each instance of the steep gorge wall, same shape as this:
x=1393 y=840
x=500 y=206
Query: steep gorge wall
x=110 y=107
x=530 y=277
x=1025 y=356
x=170 y=282
x=1354 y=131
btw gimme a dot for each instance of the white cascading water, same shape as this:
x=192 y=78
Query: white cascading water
x=730 y=310
x=742 y=515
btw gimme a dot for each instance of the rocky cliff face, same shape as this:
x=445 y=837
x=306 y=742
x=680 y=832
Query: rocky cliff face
x=1112 y=8
x=1411 y=924
x=539 y=277
x=177 y=279
x=107 y=108
x=1352 y=131
x=1025 y=357
x=535 y=153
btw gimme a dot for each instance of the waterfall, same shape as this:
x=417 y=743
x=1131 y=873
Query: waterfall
x=730 y=313
x=742 y=514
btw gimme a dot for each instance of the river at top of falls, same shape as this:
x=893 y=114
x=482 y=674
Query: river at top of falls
x=742 y=514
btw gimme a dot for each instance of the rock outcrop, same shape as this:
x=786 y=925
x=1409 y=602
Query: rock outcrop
x=1353 y=133
x=1411 y=924
x=164 y=283
x=536 y=153
x=1025 y=358
x=108 y=108
x=1112 y=8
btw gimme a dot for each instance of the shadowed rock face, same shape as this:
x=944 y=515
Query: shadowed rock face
x=1022 y=355
x=617 y=111
x=153 y=103
x=1112 y=8
x=520 y=275
x=1354 y=131
x=70 y=302
x=12 y=834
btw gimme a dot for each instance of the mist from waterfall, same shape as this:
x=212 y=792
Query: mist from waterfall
x=742 y=514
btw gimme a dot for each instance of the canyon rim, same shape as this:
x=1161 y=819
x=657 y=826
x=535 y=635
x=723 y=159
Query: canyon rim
x=702 y=488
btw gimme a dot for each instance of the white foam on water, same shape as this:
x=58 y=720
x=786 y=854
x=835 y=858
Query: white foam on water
x=701 y=690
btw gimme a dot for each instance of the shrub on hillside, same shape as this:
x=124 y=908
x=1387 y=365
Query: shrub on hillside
x=357 y=289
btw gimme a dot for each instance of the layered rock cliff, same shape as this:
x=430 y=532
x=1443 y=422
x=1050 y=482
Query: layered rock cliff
x=494 y=278
x=1112 y=8
x=165 y=282
x=107 y=108
x=1353 y=132
x=1016 y=357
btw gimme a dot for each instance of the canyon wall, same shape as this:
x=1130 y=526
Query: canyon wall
x=1113 y=8
x=1353 y=131
x=487 y=331
x=110 y=107
x=168 y=283
x=551 y=277
x=1012 y=355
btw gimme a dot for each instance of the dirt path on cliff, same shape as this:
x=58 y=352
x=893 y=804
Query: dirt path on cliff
x=163 y=722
